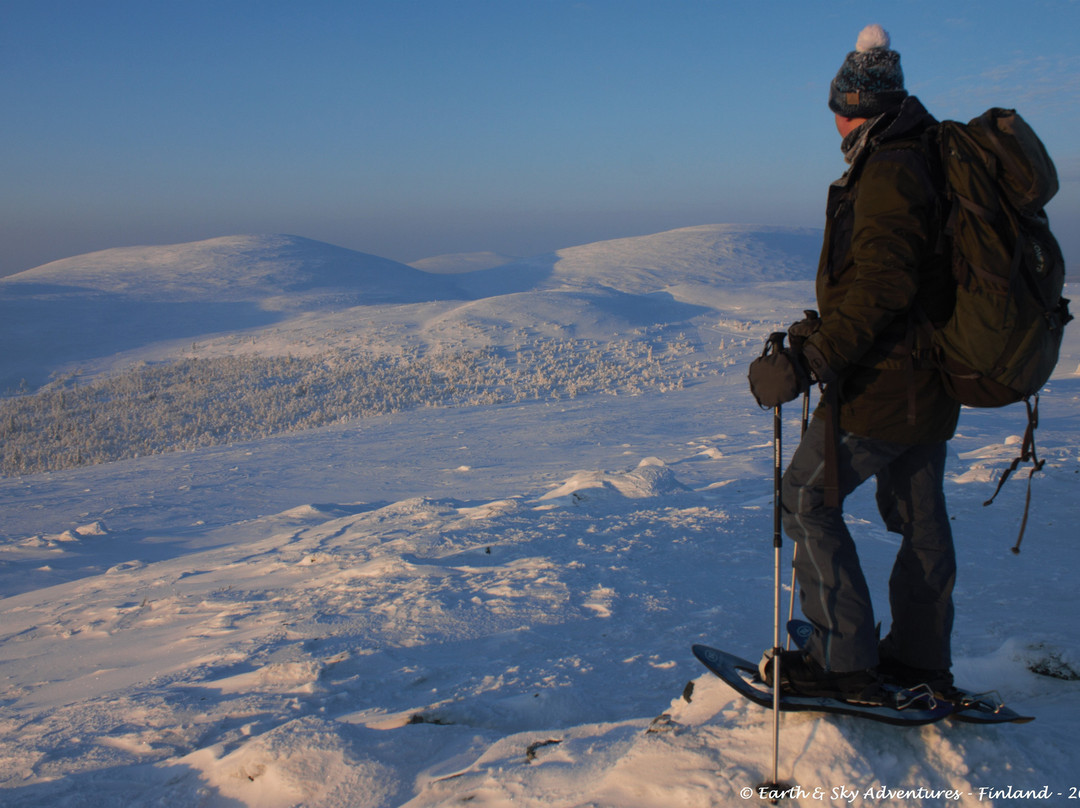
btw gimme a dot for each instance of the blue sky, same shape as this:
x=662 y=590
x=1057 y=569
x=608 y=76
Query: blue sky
x=414 y=128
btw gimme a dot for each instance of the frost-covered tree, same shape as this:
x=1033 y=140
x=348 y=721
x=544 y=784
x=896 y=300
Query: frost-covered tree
x=192 y=403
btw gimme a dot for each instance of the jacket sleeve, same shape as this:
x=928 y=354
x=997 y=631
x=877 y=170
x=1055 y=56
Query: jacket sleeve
x=880 y=276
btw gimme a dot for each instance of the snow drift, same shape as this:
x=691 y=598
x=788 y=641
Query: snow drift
x=493 y=603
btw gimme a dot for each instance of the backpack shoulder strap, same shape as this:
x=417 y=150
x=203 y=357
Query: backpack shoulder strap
x=922 y=155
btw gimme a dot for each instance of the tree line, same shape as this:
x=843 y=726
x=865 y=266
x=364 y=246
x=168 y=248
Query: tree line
x=191 y=403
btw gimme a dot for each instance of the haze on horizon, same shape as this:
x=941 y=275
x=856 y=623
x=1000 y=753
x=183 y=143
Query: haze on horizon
x=408 y=130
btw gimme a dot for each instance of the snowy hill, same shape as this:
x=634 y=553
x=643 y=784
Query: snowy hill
x=487 y=600
x=709 y=257
x=273 y=271
x=93 y=306
x=463 y=262
x=114 y=307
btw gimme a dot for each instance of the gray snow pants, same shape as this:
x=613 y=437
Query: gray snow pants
x=833 y=592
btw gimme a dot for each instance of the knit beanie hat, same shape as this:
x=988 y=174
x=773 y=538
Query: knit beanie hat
x=870 y=80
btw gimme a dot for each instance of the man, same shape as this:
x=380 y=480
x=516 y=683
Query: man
x=883 y=414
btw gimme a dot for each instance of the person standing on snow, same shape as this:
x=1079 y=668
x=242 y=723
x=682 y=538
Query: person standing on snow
x=882 y=415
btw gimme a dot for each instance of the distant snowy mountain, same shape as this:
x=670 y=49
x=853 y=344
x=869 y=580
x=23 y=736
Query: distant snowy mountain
x=704 y=256
x=276 y=272
x=736 y=253
x=463 y=262
x=146 y=302
x=114 y=301
x=707 y=254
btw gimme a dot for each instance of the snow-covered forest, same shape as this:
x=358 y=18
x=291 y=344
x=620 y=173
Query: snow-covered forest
x=191 y=403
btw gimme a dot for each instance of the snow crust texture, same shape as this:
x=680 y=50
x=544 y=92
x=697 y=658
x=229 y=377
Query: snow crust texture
x=492 y=603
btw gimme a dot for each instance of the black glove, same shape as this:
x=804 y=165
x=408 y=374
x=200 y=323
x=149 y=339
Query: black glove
x=778 y=377
x=817 y=365
x=798 y=332
x=812 y=359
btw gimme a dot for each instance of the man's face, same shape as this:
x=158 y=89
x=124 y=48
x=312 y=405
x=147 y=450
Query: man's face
x=845 y=125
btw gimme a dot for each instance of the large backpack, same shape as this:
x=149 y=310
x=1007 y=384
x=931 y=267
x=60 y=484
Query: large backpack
x=1002 y=341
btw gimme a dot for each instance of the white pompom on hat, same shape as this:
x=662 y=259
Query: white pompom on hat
x=870 y=80
x=870 y=37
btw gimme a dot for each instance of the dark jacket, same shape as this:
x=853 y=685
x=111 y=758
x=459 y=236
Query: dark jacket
x=881 y=267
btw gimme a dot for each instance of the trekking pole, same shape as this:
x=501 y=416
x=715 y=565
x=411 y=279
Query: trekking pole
x=795 y=552
x=776 y=344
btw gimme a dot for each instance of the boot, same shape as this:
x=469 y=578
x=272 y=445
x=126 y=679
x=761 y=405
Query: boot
x=801 y=675
x=897 y=673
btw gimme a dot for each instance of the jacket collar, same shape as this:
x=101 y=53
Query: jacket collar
x=910 y=119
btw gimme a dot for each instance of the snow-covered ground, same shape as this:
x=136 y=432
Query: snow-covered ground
x=488 y=604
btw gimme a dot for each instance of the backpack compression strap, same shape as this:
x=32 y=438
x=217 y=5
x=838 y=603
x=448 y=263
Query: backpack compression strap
x=1027 y=452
